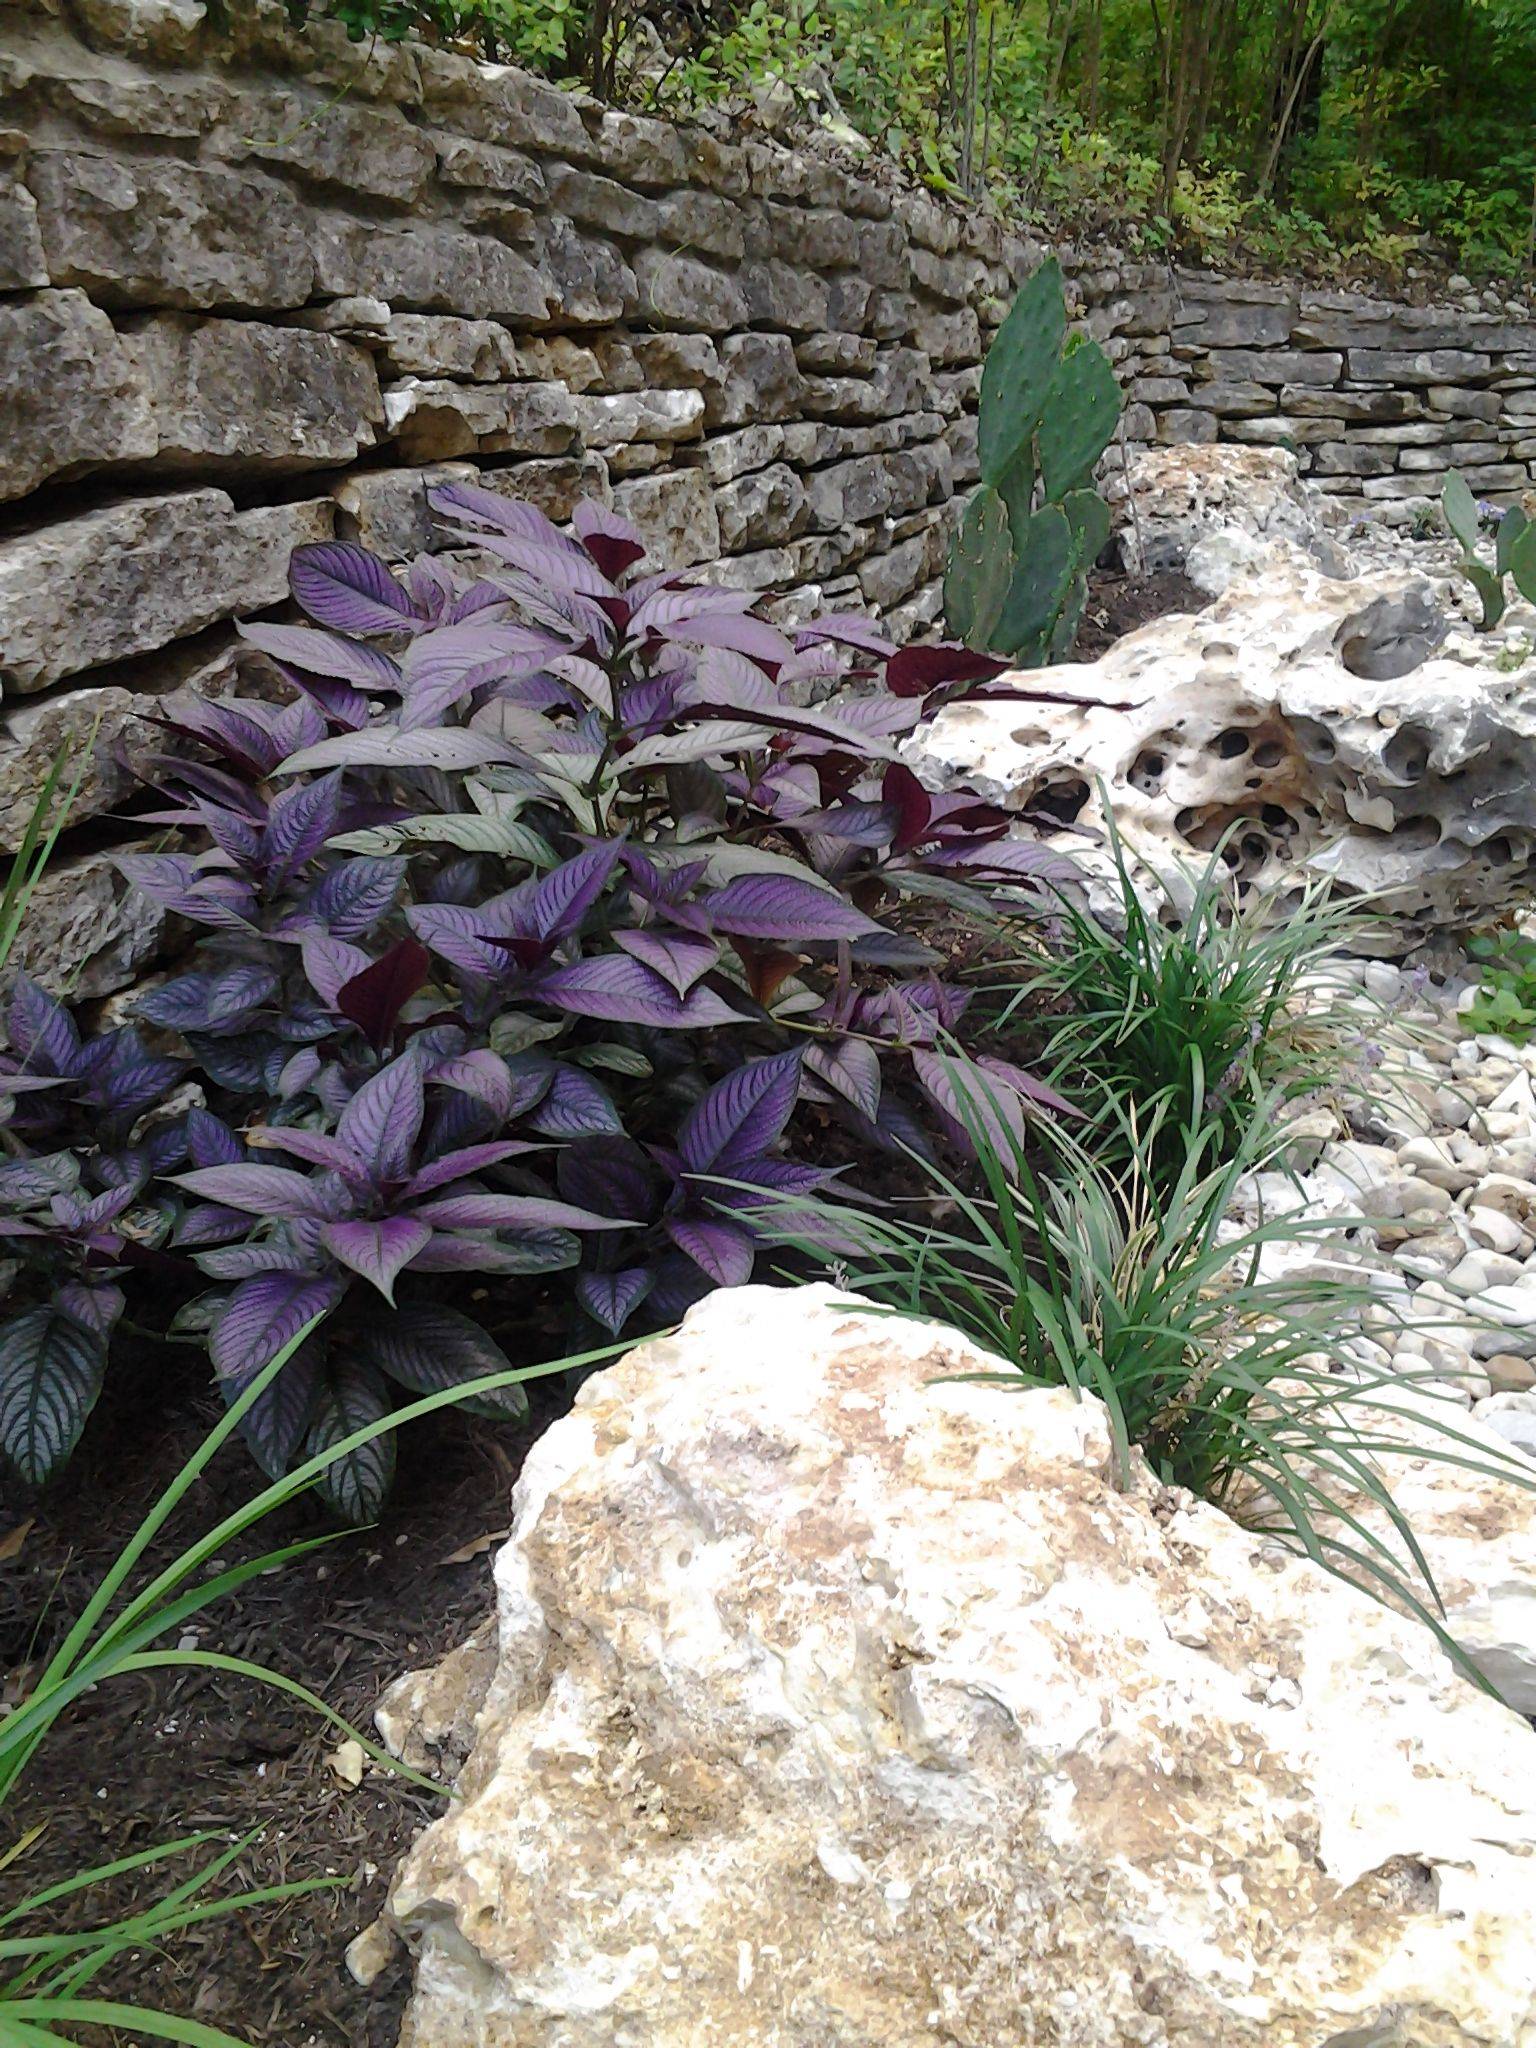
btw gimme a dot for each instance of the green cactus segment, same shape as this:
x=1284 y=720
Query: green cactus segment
x=1512 y=529
x=1490 y=590
x=1016 y=378
x=980 y=570
x=1522 y=556
x=1041 y=582
x=1460 y=509
x=1017 y=577
x=1081 y=413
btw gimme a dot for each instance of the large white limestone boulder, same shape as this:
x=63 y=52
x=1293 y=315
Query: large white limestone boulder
x=1213 y=509
x=1307 y=719
x=840 y=1701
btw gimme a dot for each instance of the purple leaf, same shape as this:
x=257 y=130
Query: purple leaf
x=218 y=1003
x=513 y=516
x=575 y=1106
x=677 y=957
x=210 y=1141
x=466 y=1160
x=274 y=1425
x=377 y=1251
x=984 y=1111
x=624 y=991
x=500 y=1212
x=851 y=1067
x=259 y=1190
x=331 y=964
x=374 y=998
x=383 y=1120
x=347 y=588
x=463 y=935
x=324 y=654
x=426 y=1349
x=737 y=632
x=302 y=818
x=612 y=1298
x=610 y=1175
x=42 y=1031
x=262 y=1315
x=242 y=1261
x=480 y=1073
x=741 y=1116
x=1027 y=1085
x=782 y=907
x=536 y=1251
x=562 y=899
x=718 y=1249
x=315 y=1146
x=351 y=898
x=95 y=1306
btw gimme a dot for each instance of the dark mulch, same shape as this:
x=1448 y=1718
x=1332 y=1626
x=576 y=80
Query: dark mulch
x=160 y=1755
x=1118 y=604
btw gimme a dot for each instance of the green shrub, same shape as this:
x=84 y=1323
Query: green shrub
x=1505 y=1002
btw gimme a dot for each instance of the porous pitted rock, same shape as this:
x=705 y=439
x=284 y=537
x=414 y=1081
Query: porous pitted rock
x=842 y=1701
x=1338 y=721
x=1213 y=510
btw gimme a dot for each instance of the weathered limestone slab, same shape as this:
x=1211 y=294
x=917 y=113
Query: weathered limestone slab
x=840 y=1700
x=132 y=577
x=70 y=393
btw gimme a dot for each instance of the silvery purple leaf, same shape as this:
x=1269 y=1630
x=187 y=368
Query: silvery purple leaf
x=301 y=819
x=385 y=746
x=860 y=823
x=535 y=1251
x=1027 y=1085
x=678 y=957
x=460 y=935
x=96 y=1306
x=377 y=1251
x=671 y=606
x=738 y=632
x=623 y=990
x=782 y=907
x=218 y=1003
x=274 y=1425
x=610 y=1175
x=325 y=654
x=480 y=1073
x=330 y=964
x=26 y=1183
x=514 y=516
x=244 y=1261
x=612 y=1298
x=349 y=1395
x=847 y=629
x=348 y=589
x=574 y=1105
x=466 y=1160
x=383 y=1120
x=851 y=1066
x=175 y=881
x=43 y=1034
x=562 y=898
x=427 y=1348
x=981 y=1109
x=298 y=1073
x=718 y=1249
x=214 y=1225
x=317 y=1147
x=741 y=1115
x=513 y=1212
x=351 y=897
x=260 y=1190
x=557 y=570
x=262 y=1315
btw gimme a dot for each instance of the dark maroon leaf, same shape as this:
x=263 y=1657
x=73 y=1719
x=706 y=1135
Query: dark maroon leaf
x=914 y=671
x=374 y=999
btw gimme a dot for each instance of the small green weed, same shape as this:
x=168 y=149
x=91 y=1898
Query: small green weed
x=1506 y=997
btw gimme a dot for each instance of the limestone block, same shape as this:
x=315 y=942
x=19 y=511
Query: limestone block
x=837 y=354
x=1182 y=424
x=946 y=337
x=387 y=510
x=431 y=419
x=485 y=167
x=600 y=203
x=132 y=577
x=841 y=1700
x=430 y=267
x=639 y=416
x=899 y=384
x=675 y=516
x=1273 y=365
x=688 y=362
x=97 y=93
x=728 y=456
x=1214 y=324
x=759 y=380
x=703 y=221
x=21 y=248
x=154 y=231
x=680 y=291
x=555 y=358
x=638 y=150
x=442 y=345
x=1342 y=403
x=1421 y=366
x=239 y=395
x=498 y=104
x=762 y=509
x=338 y=143
x=86 y=933
x=589 y=282
x=782 y=296
x=69 y=392
x=1231 y=401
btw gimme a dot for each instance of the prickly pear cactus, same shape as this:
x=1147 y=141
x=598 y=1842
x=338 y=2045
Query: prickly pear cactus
x=1514 y=549
x=1018 y=566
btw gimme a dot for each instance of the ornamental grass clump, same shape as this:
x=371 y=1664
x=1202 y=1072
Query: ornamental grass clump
x=543 y=888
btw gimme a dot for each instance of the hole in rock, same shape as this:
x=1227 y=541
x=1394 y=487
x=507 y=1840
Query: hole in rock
x=1315 y=740
x=1268 y=754
x=1218 y=650
x=1063 y=800
x=1231 y=743
x=1147 y=772
x=1406 y=754
x=1499 y=851
x=1255 y=848
x=1278 y=819
x=1417 y=834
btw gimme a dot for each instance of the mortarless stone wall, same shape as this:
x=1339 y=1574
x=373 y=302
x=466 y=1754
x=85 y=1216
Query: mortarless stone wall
x=257 y=288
